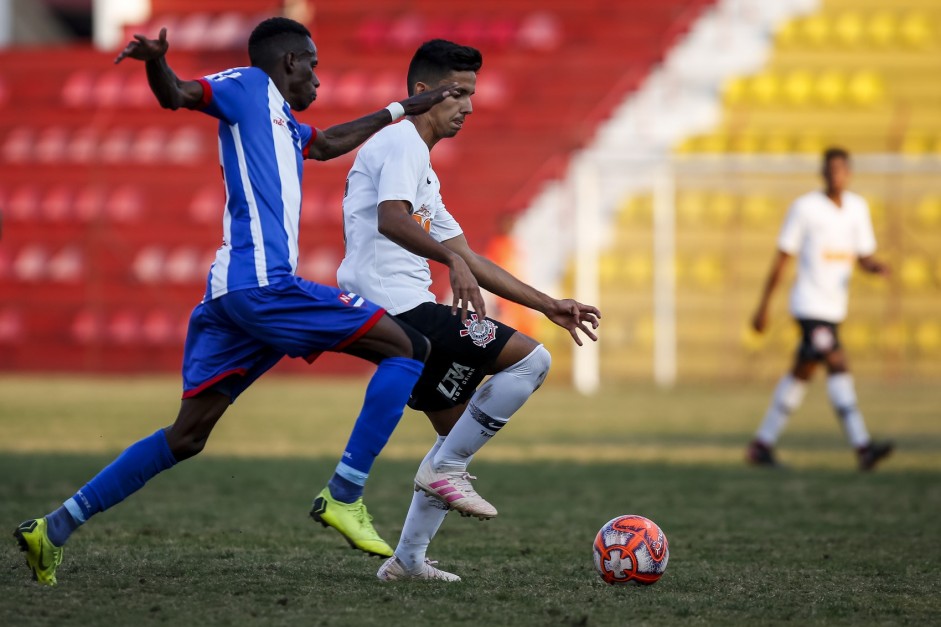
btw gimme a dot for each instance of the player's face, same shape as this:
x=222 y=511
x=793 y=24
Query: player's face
x=447 y=117
x=304 y=81
x=836 y=173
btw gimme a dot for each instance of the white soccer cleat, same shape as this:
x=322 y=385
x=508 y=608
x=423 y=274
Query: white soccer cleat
x=455 y=490
x=393 y=570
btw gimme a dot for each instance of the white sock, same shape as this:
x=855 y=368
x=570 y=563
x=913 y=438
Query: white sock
x=843 y=398
x=787 y=397
x=424 y=517
x=491 y=407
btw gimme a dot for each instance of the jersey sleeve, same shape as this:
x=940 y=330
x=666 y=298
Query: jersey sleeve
x=865 y=237
x=789 y=240
x=444 y=226
x=308 y=135
x=225 y=94
x=401 y=171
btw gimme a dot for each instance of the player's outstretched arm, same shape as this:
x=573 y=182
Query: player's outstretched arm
x=567 y=313
x=396 y=223
x=171 y=92
x=341 y=138
x=760 y=319
x=872 y=266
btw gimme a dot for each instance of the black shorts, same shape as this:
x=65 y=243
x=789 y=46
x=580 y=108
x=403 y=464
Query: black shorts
x=462 y=354
x=818 y=339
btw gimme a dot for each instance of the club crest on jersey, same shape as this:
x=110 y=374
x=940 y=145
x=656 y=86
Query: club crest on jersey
x=351 y=299
x=481 y=332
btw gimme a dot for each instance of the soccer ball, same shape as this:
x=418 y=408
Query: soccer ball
x=631 y=549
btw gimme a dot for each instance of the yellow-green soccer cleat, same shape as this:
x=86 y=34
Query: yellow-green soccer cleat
x=352 y=521
x=42 y=556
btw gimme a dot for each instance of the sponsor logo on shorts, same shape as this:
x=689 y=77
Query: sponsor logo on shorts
x=351 y=299
x=821 y=338
x=453 y=382
x=481 y=332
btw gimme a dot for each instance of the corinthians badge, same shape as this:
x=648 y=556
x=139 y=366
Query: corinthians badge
x=481 y=332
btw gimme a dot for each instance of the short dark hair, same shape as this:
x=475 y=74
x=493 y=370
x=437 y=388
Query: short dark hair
x=437 y=58
x=274 y=37
x=835 y=152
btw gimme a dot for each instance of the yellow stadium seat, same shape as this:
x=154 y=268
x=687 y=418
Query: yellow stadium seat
x=764 y=88
x=830 y=88
x=758 y=210
x=609 y=268
x=751 y=340
x=928 y=336
x=637 y=269
x=815 y=29
x=745 y=142
x=915 y=143
x=849 y=28
x=928 y=211
x=798 y=87
x=787 y=33
x=778 y=143
x=721 y=208
x=714 y=143
x=706 y=271
x=915 y=273
x=937 y=271
x=855 y=336
x=809 y=143
x=643 y=331
x=690 y=208
x=882 y=28
x=915 y=30
x=892 y=336
x=735 y=90
x=865 y=88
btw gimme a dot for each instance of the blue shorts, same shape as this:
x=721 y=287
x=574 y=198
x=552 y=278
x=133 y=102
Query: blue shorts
x=248 y=331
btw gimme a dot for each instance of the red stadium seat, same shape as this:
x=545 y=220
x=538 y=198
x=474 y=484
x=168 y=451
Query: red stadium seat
x=67 y=265
x=12 y=326
x=147 y=266
x=29 y=265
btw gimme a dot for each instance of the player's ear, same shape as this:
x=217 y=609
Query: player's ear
x=420 y=87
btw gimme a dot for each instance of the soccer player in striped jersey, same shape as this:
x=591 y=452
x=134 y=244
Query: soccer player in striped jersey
x=256 y=310
x=829 y=231
x=395 y=221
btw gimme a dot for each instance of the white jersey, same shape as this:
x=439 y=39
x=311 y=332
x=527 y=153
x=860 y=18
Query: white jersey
x=828 y=240
x=394 y=164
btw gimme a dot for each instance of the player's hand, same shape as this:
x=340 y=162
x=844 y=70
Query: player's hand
x=465 y=289
x=419 y=103
x=573 y=316
x=144 y=49
x=759 y=321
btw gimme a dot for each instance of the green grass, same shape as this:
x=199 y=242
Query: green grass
x=225 y=539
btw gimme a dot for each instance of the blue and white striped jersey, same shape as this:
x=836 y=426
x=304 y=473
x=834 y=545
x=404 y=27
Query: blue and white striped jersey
x=261 y=149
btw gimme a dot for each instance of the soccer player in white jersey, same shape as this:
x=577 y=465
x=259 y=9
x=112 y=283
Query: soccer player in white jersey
x=256 y=310
x=394 y=222
x=829 y=231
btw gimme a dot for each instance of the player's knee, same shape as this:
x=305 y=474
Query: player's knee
x=185 y=445
x=534 y=366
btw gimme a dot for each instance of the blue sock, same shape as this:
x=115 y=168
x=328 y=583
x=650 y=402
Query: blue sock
x=386 y=395
x=139 y=463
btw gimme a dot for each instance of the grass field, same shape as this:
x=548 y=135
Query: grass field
x=225 y=538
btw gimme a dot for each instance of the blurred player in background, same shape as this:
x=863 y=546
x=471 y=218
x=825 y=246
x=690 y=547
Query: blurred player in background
x=394 y=221
x=829 y=231
x=256 y=310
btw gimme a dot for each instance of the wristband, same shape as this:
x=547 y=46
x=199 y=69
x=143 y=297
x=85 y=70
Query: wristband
x=396 y=110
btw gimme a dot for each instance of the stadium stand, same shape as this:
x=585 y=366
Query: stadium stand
x=855 y=73
x=112 y=205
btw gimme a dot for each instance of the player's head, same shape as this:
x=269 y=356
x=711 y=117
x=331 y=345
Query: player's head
x=284 y=50
x=836 y=169
x=439 y=62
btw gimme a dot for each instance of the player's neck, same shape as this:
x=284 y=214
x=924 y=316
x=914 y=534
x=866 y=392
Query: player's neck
x=835 y=196
x=425 y=130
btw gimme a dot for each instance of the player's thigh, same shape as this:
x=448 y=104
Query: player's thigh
x=390 y=338
x=462 y=354
x=221 y=356
x=301 y=318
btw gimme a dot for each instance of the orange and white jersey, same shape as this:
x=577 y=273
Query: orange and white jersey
x=394 y=164
x=827 y=240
